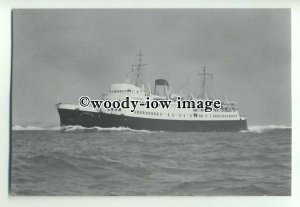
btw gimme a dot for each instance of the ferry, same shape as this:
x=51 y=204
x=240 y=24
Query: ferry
x=173 y=119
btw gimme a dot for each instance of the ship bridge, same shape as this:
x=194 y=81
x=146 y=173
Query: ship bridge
x=124 y=88
x=119 y=91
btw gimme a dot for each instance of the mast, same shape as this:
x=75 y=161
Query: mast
x=139 y=69
x=204 y=74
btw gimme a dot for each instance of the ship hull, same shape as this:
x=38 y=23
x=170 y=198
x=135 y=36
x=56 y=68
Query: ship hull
x=104 y=120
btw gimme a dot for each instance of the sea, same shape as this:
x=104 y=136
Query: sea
x=79 y=161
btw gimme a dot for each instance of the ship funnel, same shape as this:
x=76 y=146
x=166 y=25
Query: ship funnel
x=161 y=87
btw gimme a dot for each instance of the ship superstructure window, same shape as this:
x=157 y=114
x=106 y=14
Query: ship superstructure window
x=195 y=115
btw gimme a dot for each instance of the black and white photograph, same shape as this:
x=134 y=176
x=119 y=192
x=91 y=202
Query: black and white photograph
x=151 y=102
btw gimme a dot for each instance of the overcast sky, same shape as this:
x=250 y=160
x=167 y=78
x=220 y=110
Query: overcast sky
x=70 y=53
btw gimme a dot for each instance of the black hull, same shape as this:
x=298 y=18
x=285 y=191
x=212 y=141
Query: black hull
x=93 y=119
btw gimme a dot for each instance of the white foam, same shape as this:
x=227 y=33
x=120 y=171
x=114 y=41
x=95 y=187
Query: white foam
x=73 y=128
x=260 y=129
x=18 y=127
x=119 y=129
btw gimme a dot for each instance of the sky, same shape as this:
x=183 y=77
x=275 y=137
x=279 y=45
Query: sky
x=60 y=55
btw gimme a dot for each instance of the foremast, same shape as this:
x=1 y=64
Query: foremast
x=204 y=74
x=138 y=68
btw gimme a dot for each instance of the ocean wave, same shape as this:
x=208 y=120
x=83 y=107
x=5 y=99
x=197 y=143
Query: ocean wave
x=33 y=128
x=18 y=127
x=260 y=129
x=73 y=128
x=51 y=163
x=226 y=186
x=256 y=129
x=81 y=128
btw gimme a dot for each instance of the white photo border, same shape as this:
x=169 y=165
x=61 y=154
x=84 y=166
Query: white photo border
x=6 y=7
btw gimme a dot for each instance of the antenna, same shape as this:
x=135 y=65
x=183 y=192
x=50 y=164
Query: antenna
x=126 y=79
x=228 y=103
x=149 y=88
x=138 y=69
x=204 y=74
